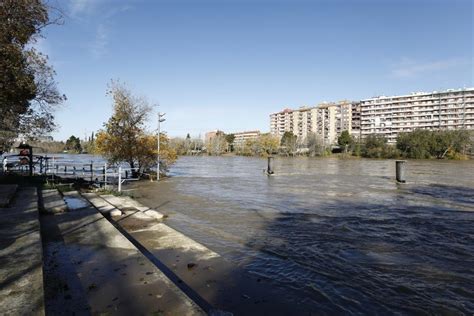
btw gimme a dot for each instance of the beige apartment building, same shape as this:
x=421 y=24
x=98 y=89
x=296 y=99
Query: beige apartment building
x=388 y=116
x=242 y=137
x=210 y=135
x=327 y=120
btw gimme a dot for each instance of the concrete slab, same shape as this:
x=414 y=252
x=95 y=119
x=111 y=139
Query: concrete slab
x=115 y=276
x=105 y=208
x=218 y=282
x=74 y=200
x=125 y=202
x=52 y=202
x=7 y=191
x=21 y=270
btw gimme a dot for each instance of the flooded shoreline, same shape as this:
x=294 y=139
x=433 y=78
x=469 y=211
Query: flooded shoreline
x=341 y=234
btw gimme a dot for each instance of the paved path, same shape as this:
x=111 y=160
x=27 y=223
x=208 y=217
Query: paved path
x=7 y=191
x=21 y=273
x=106 y=270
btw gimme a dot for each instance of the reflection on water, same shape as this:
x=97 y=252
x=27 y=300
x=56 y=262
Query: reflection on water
x=341 y=234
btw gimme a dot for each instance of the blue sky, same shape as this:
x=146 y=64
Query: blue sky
x=228 y=64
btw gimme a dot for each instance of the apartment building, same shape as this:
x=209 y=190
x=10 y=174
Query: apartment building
x=355 y=119
x=327 y=120
x=210 y=135
x=388 y=116
x=242 y=137
x=281 y=122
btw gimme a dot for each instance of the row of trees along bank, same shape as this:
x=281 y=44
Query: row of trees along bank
x=419 y=144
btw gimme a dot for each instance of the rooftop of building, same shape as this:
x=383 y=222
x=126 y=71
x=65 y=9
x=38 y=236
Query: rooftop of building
x=246 y=132
x=417 y=93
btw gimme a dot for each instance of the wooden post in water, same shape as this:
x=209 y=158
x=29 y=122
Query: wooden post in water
x=400 y=166
x=92 y=171
x=270 y=165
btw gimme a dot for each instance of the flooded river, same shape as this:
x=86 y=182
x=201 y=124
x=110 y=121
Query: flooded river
x=340 y=235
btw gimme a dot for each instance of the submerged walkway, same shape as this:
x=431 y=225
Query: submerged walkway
x=93 y=268
x=218 y=285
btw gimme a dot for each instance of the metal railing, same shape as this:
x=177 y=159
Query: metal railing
x=100 y=173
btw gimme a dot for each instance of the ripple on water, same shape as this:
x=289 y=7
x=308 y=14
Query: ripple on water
x=342 y=235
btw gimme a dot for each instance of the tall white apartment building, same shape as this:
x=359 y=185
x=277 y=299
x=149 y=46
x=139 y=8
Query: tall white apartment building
x=388 y=116
x=327 y=120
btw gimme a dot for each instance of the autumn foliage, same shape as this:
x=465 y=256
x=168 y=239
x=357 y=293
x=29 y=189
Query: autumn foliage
x=124 y=137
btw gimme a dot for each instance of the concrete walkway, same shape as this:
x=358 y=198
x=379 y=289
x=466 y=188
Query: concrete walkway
x=52 y=202
x=21 y=269
x=7 y=191
x=114 y=276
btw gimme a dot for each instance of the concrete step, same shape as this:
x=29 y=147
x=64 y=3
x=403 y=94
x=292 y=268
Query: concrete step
x=221 y=284
x=52 y=202
x=7 y=191
x=115 y=277
x=21 y=272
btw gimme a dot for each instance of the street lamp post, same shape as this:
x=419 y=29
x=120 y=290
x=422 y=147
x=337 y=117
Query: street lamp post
x=160 y=119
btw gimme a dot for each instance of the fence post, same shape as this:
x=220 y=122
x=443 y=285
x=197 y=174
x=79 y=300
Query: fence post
x=120 y=179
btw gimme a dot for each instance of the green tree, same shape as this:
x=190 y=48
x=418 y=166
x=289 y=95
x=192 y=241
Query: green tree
x=374 y=146
x=314 y=144
x=423 y=144
x=229 y=138
x=288 y=143
x=73 y=144
x=28 y=93
x=345 y=140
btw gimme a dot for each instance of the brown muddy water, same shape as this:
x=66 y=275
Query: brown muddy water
x=340 y=235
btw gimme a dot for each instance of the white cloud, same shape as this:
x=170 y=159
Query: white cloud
x=99 y=45
x=99 y=16
x=79 y=6
x=409 y=68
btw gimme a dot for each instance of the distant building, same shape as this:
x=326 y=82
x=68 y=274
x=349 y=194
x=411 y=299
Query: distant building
x=327 y=121
x=43 y=139
x=355 y=119
x=388 y=116
x=242 y=137
x=210 y=135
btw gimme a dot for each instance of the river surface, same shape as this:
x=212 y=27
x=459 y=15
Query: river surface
x=341 y=235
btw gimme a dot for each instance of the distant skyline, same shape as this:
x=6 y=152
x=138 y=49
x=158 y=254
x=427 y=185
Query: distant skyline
x=228 y=64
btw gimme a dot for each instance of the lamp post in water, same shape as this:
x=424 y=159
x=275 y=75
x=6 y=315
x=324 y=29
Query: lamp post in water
x=160 y=120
